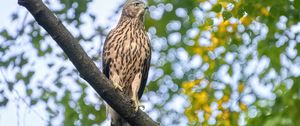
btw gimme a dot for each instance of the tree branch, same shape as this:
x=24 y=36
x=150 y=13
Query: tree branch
x=84 y=64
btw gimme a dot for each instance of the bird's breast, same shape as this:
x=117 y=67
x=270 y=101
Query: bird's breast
x=133 y=50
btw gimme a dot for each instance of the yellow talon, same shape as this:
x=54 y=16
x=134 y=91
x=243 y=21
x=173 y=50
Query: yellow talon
x=117 y=86
x=136 y=103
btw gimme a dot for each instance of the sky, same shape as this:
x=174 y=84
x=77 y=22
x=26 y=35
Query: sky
x=16 y=112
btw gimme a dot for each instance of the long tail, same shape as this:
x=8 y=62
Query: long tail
x=116 y=120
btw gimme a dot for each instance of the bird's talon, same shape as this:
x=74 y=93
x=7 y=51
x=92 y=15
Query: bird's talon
x=136 y=104
x=117 y=86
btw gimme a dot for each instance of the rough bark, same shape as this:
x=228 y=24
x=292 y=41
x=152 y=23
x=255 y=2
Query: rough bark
x=84 y=64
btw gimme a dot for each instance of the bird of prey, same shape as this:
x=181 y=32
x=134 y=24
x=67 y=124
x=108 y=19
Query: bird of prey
x=127 y=54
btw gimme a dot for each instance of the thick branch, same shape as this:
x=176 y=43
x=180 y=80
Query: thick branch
x=86 y=67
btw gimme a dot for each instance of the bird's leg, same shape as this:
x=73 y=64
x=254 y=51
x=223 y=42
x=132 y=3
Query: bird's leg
x=116 y=80
x=135 y=88
x=135 y=102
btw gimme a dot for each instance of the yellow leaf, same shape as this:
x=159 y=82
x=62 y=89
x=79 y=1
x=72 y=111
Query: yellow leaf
x=198 y=50
x=219 y=116
x=226 y=115
x=212 y=65
x=210 y=48
x=223 y=25
x=191 y=115
x=206 y=116
x=214 y=40
x=207 y=108
x=246 y=20
x=225 y=98
x=234 y=26
x=220 y=106
x=243 y=107
x=201 y=98
x=188 y=86
x=224 y=4
x=265 y=11
x=205 y=58
x=240 y=87
x=227 y=122
x=219 y=15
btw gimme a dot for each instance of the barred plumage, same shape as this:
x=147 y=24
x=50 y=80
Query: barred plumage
x=127 y=54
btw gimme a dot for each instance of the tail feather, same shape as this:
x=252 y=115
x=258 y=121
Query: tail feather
x=116 y=119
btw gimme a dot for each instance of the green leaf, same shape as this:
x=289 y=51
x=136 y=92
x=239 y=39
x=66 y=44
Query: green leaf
x=209 y=22
x=275 y=11
x=270 y=50
x=33 y=102
x=28 y=77
x=49 y=49
x=230 y=72
x=10 y=86
x=29 y=92
x=167 y=68
x=45 y=96
x=3 y=102
x=23 y=62
x=241 y=12
x=4 y=33
x=49 y=110
x=19 y=76
x=3 y=48
x=217 y=8
x=4 y=64
x=30 y=74
x=298 y=48
x=226 y=15
x=297 y=4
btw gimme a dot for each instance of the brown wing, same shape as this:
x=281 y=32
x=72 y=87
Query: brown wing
x=145 y=71
x=105 y=58
x=105 y=64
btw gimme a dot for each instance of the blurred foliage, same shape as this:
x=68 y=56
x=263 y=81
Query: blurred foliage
x=215 y=62
x=248 y=53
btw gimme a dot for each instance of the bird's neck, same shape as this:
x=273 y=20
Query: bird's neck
x=137 y=22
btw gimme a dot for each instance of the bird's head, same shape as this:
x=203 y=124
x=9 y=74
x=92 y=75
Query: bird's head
x=134 y=8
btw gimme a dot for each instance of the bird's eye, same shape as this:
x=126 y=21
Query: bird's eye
x=136 y=4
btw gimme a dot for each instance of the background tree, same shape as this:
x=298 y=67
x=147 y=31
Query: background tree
x=222 y=62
